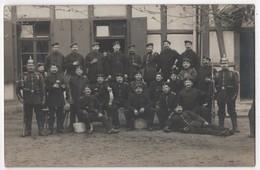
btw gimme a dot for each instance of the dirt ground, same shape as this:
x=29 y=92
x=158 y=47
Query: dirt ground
x=127 y=149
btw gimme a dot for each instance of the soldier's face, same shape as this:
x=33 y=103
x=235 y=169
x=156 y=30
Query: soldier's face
x=119 y=79
x=149 y=48
x=79 y=71
x=166 y=45
x=131 y=50
x=55 y=48
x=54 y=69
x=138 y=76
x=30 y=67
x=116 y=47
x=188 y=45
x=74 y=48
x=158 y=77
x=138 y=90
x=205 y=62
x=41 y=68
x=87 y=91
x=188 y=83
x=165 y=88
x=95 y=47
x=173 y=77
x=224 y=65
x=186 y=64
x=179 y=109
x=100 y=80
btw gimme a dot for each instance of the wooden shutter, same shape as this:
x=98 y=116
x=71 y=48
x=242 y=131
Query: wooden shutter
x=8 y=53
x=62 y=34
x=81 y=35
x=138 y=31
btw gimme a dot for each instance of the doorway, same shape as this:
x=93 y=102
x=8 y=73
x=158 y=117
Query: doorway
x=247 y=65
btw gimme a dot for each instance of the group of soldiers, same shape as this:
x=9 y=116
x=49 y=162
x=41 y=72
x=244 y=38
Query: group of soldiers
x=172 y=86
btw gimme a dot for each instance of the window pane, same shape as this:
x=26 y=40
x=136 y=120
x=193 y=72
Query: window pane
x=42 y=29
x=156 y=40
x=26 y=46
x=102 y=31
x=27 y=31
x=117 y=28
x=43 y=46
x=41 y=58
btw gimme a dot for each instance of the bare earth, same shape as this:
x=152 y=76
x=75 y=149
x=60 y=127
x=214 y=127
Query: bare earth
x=126 y=149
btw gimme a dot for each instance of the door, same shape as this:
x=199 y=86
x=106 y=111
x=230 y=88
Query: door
x=138 y=31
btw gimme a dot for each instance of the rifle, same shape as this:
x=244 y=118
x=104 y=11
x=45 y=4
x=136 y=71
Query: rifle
x=213 y=109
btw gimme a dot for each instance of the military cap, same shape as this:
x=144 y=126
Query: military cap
x=167 y=41
x=187 y=76
x=187 y=41
x=224 y=60
x=116 y=42
x=100 y=75
x=55 y=43
x=95 y=43
x=149 y=44
x=73 y=44
x=40 y=64
x=158 y=73
x=165 y=84
x=131 y=46
x=207 y=58
x=119 y=74
x=30 y=61
x=138 y=72
x=138 y=85
x=186 y=59
x=78 y=67
x=174 y=72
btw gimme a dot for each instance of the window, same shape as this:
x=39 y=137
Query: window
x=116 y=28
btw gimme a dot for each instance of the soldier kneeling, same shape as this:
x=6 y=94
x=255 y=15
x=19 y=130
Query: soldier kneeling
x=189 y=122
x=93 y=112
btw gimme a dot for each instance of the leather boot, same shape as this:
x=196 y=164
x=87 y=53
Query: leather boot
x=234 y=124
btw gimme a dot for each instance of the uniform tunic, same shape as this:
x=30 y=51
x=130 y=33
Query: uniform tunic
x=190 y=54
x=150 y=65
x=54 y=58
x=70 y=59
x=121 y=93
x=116 y=63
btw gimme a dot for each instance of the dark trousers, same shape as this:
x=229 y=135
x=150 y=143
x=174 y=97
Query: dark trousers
x=251 y=116
x=231 y=106
x=113 y=113
x=148 y=115
x=204 y=112
x=75 y=110
x=210 y=130
x=93 y=117
x=28 y=112
x=162 y=116
x=59 y=115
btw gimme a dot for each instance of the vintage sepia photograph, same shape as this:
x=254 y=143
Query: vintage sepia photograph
x=129 y=85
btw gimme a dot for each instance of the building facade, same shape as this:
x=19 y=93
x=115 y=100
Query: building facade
x=30 y=30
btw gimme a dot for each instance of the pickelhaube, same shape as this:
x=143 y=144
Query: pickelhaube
x=30 y=61
x=223 y=60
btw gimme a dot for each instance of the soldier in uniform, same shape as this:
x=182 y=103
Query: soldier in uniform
x=175 y=83
x=191 y=55
x=134 y=63
x=94 y=62
x=150 y=64
x=187 y=69
x=139 y=106
x=169 y=60
x=76 y=84
x=155 y=89
x=33 y=97
x=116 y=62
x=92 y=111
x=167 y=103
x=189 y=122
x=227 y=84
x=55 y=86
x=138 y=81
x=54 y=57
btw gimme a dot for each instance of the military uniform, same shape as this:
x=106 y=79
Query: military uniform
x=227 y=85
x=55 y=100
x=70 y=59
x=190 y=122
x=135 y=83
x=167 y=103
x=116 y=63
x=167 y=59
x=190 y=54
x=33 y=96
x=175 y=86
x=55 y=57
x=150 y=65
x=134 y=64
x=190 y=71
x=155 y=91
x=121 y=93
x=77 y=85
x=94 y=68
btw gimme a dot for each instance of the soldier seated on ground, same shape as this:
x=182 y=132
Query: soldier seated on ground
x=139 y=81
x=93 y=112
x=139 y=106
x=189 y=122
x=174 y=83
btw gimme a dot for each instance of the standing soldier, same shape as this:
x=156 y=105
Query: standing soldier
x=116 y=62
x=190 y=54
x=134 y=63
x=55 y=86
x=227 y=84
x=150 y=64
x=94 y=63
x=33 y=97
x=54 y=57
x=169 y=60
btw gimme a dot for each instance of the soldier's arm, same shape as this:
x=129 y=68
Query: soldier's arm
x=42 y=87
x=47 y=63
x=19 y=86
x=197 y=117
x=67 y=63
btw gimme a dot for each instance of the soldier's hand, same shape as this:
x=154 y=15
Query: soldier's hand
x=205 y=104
x=21 y=100
x=94 y=60
x=109 y=77
x=136 y=112
x=100 y=115
x=56 y=85
x=75 y=63
x=207 y=79
x=141 y=110
x=206 y=123
x=63 y=86
x=134 y=64
x=125 y=76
